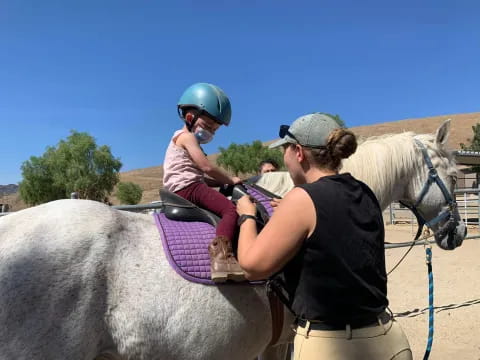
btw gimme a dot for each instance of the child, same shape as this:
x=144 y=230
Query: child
x=204 y=108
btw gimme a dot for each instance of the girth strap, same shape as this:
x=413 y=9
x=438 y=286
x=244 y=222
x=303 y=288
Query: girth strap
x=276 y=310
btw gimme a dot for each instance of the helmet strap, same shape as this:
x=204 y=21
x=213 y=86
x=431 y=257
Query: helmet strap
x=196 y=115
x=194 y=120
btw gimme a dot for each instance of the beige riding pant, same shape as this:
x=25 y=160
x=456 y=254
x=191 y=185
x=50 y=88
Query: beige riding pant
x=382 y=342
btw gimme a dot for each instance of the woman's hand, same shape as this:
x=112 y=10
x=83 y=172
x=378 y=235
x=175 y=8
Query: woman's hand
x=246 y=206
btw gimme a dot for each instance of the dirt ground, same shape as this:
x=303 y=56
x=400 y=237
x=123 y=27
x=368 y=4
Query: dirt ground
x=456 y=295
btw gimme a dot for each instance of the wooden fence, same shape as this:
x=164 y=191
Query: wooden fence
x=468 y=202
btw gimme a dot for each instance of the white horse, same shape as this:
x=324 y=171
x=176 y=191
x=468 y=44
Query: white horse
x=80 y=280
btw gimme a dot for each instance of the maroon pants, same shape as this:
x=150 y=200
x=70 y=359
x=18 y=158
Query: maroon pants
x=200 y=194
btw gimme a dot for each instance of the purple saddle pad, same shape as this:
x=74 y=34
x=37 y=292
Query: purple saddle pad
x=261 y=198
x=186 y=247
x=186 y=242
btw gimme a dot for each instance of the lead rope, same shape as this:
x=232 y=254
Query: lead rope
x=428 y=252
x=417 y=240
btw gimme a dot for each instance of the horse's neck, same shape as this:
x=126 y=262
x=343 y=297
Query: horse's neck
x=384 y=164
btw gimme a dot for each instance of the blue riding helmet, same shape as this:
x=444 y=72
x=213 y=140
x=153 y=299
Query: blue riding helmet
x=207 y=98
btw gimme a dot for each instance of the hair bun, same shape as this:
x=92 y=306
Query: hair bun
x=341 y=143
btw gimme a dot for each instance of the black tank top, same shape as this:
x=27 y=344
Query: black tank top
x=339 y=276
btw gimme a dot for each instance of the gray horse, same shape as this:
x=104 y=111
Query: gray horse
x=80 y=280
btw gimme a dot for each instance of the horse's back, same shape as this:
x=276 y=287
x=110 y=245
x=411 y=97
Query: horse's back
x=277 y=182
x=53 y=279
x=78 y=278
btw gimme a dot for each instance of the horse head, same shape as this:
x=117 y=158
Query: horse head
x=430 y=193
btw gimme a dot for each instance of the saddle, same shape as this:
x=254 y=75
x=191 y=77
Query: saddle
x=186 y=230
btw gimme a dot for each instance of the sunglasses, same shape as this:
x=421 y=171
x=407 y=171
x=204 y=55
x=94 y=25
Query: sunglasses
x=284 y=132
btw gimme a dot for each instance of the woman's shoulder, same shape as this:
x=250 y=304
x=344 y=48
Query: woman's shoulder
x=297 y=195
x=327 y=186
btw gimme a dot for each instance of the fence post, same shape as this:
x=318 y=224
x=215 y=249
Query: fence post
x=478 y=208
x=392 y=221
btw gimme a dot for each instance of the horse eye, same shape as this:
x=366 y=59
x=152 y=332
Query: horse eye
x=454 y=182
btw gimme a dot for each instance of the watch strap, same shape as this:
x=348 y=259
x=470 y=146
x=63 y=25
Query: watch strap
x=244 y=217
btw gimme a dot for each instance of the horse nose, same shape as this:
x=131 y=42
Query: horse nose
x=461 y=233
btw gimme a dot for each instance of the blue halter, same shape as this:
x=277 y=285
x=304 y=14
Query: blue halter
x=432 y=178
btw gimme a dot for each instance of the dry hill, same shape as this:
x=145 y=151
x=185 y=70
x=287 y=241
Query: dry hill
x=461 y=130
x=150 y=179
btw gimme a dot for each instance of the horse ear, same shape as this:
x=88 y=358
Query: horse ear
x=443 y=131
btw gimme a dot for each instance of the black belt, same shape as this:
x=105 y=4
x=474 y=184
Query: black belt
x=384 y=318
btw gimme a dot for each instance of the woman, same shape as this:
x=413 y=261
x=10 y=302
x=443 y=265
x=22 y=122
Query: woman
x=327 y=235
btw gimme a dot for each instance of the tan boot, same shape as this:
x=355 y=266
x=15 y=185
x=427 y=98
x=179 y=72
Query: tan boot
x=223 y=264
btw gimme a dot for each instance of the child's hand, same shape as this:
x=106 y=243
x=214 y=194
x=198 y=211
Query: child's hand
x=274 y=202
x=246 y=206
x=236 y=180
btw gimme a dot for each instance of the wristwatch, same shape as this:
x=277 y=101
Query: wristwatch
x=243 y=217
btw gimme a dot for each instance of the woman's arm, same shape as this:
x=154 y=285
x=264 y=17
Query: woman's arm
x=264 y=254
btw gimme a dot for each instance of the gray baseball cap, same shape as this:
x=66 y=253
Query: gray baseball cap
x=311 y=130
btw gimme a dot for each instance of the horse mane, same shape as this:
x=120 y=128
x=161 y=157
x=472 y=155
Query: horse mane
x=381 y=161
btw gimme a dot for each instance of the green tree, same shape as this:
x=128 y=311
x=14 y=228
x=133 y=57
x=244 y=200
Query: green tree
x=475 y=141
x=337 y=118
x=129 y=193
x=244 y=158
x=37 y=186
x=75 y=164
x=474 y=146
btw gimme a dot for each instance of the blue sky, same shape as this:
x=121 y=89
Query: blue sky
x=115 y=69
